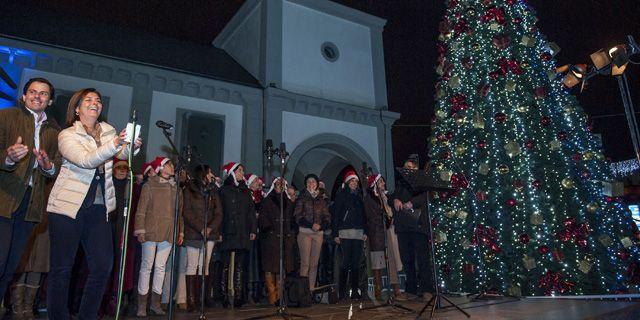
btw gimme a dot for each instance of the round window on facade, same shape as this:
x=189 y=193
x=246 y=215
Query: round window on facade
x=330 y=51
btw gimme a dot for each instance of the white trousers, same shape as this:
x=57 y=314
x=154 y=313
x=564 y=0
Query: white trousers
x=153 y=254
x=181 y=287
x=195 y=257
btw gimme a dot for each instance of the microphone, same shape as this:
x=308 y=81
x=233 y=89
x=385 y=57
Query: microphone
x=163 y=125
x=189 y=152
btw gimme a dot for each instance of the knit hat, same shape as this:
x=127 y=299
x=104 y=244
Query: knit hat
x=158 y=163
x=273 y=187
x=119 y=163
x=348 y=176
x=373 y=179
x=228 y=169
x=250 y=177
x=146 y=167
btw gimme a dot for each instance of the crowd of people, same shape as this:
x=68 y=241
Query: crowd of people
x=66 y=191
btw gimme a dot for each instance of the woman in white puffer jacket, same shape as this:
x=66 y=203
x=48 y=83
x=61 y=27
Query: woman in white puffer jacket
x=79 y=204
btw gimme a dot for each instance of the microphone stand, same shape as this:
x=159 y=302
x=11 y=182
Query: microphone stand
x=281 y=310
x=127 y=217
x=179 y=168
x=206 y=192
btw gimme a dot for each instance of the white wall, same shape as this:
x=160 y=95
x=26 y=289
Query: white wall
x=296 y=128
x=305 y=70
x=119 y=95
x=164 y=106
x=244 y=44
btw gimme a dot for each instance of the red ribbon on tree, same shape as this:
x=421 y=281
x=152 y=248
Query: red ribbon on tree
x=504 y=66
x=486 y=235
x=459 y=103
x=494 y=13
x=552 y=282
x=575 y=231
x=461 y=27
x=459 y=181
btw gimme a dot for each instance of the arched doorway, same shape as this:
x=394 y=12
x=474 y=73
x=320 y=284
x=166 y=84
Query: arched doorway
x=326 y=155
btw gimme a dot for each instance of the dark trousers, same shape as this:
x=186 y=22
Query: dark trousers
x=14 y=234
x=414 y=247
x=91 y=230
x=351 y=253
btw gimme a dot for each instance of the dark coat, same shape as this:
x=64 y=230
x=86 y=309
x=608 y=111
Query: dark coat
x=269 y=224
x=14 y=180
x=410 y=220
x=310 y=210
x=375 y=224
x=193 y=215
x=239 y=216
x=348 y=211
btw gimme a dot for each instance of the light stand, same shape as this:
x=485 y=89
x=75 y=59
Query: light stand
x=281 y=310
x=127 y=217
x=179 y=167
x=390 y=301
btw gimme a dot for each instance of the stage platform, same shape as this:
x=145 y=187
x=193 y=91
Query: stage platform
x=502 y=308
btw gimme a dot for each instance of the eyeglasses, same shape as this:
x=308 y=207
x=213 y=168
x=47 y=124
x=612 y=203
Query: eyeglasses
x=36 y=93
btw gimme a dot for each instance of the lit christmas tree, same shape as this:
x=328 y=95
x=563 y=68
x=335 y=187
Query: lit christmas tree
x=529 y=216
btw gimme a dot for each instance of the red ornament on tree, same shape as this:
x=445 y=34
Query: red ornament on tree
x=576 y=157
x=501 y=41
x=562 y=135
x=517 y=20
x=511 y=202
x=481 y=196
x=529 y=144
x=449 y=135
x=540 y=92
x=500 y=117
x=545 y=121
x=585 y=174
x=557 y=255
x=543 y=249
x=536 y=184
x=518 y=185
x=623 y=254
x=481 y=144
x=445 y=155
x=545 y=56
x=523 y=238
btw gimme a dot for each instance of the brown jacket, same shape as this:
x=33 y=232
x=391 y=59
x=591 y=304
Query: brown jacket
x=310 y=210
x=19 y=122
x=156 y=210
x=193 y=211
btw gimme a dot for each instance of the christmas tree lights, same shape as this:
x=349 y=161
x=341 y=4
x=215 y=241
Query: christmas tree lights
x=528 y=215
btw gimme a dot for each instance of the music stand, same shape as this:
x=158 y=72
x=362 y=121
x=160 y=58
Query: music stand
x=419 y=181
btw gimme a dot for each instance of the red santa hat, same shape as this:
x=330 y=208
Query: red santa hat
x=228 y=169
x=158 y=163
x=146 y=167
x=250 y=178
x=119 y=162
x=373 y=179
x=348 y=176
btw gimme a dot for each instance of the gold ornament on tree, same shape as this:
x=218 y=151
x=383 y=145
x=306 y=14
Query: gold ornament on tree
x=475 y=46
x=503 y=169
x=462 y=214
x=461 y=150
x=510 y=85
x=483 y=169
x=454 y=82
x=522 y=108
x=450 y=213
x=478 y=121
x=489 y=256
x=626 y=242
x=536 y=219
x=569 y=109
x=441 y=237
x=441 y=114
x=512 y=148
x=528 y=262
x=528 y=41
x=592 y=207
x=446 y=175
x=587 y=155
x=567 y=183
x=584 y=266
x=605 y=240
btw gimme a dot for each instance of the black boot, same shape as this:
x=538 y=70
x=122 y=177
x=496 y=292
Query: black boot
x=238 y=285
x=223 y=285
x=355 y=284
x=191 y=293
x=342 y=284
x=208 y=292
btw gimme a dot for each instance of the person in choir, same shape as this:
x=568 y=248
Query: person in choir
x=312 y=216
x=253 y=279
x=239 y=228
x=80 y=202
x=195 y=228
x=154 y=225
x=349 y=232
x=269 y=223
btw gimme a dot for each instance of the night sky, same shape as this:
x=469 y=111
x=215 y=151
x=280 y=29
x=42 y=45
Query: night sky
x=578 y=27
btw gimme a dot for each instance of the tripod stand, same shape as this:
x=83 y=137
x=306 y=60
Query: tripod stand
x=281 y=310
x=435 y=301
